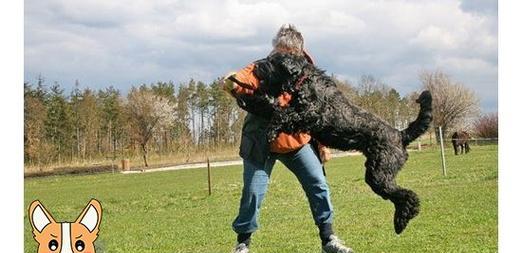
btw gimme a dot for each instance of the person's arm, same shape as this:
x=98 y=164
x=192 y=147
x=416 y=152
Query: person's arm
x=242 y=85
x=324 y=153
x=241 y=82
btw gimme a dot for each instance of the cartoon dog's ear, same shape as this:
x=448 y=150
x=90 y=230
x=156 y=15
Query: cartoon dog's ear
x=39 y=216
x=91 y=216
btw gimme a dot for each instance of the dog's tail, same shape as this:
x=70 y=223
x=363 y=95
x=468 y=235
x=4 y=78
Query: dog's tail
x=422 y=123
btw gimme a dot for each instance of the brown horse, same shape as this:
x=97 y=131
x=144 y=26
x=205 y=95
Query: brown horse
x=460 y=141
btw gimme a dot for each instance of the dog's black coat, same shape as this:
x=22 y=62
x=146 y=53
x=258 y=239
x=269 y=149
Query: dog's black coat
x=319 y=107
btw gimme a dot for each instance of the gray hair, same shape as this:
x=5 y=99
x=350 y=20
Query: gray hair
x=288 y=39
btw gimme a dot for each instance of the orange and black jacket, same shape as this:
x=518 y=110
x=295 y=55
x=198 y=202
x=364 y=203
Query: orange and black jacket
x=253 y=141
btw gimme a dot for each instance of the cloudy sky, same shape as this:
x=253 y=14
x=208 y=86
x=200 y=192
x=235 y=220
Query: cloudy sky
x=125 y=43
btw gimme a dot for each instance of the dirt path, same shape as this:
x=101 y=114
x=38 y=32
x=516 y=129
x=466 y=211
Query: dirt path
x=215 y=164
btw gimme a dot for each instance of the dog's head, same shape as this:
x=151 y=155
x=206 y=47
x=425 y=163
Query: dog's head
x=65 y=237
x=279 y=72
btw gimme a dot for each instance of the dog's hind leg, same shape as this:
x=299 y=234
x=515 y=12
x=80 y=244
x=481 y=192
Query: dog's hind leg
x=381 y=170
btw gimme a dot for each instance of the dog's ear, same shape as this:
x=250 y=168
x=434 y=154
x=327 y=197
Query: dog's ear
x=265 y=69
x=91 y=216
x=39 y=217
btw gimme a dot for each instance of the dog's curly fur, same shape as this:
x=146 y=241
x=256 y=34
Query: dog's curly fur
x=319 y=107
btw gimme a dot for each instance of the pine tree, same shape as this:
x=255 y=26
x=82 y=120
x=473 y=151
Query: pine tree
x=35 y=114
x=58 y=125
x=112 y=115
x=182 y=131
x=193 y=105
x=203 y=107
x=75 y=117
x=221 y=106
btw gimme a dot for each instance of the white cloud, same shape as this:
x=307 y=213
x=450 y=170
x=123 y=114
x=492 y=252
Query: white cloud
x=130 y=42
x=434 y=37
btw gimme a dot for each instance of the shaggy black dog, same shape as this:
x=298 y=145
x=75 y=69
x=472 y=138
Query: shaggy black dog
x=319 y=107
x=460 y=141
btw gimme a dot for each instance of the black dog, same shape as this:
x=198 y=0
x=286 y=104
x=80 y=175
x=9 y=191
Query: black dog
x=319 y=107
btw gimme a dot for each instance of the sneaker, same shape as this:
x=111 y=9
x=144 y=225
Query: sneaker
x=335 y=245
x=241 y=248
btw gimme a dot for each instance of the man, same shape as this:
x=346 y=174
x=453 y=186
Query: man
x=293 y=150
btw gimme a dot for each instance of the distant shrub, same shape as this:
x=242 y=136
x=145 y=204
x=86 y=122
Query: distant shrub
x=486 y=126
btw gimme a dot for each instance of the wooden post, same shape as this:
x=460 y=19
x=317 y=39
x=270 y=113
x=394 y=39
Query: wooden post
x=113 y=154
x=208 y=176
x=125 y=164
x=442 y=152
x=112 y=166
x=419 y=146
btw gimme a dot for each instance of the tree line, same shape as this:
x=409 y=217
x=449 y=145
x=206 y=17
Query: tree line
x=86 y=125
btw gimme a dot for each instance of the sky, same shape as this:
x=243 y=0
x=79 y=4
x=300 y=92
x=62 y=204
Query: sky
x=125 y=43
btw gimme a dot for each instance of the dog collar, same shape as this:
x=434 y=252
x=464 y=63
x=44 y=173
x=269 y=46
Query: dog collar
x=300 y=81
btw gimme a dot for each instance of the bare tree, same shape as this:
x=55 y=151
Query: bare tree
x=408 y=110
x=347 y=88
x=148 y=113
x=453 y=104
x=486 y=126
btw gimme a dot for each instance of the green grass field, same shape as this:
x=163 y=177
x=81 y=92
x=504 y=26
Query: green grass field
x=171 y=212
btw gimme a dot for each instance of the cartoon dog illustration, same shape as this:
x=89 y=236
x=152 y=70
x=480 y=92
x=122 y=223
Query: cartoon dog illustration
x=65 y=237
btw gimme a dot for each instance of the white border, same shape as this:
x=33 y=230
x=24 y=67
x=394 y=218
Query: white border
x=11 y=147
x=510 y=169
x=11 y=96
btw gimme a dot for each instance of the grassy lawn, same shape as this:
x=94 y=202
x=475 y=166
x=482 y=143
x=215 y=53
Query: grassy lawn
x=171 y=212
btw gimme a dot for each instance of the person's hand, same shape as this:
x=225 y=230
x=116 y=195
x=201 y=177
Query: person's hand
x=325 y=154
x=227 y=84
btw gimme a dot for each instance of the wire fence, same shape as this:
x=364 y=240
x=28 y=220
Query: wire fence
x=432 y=142
x=112 y=164
x=460 y=146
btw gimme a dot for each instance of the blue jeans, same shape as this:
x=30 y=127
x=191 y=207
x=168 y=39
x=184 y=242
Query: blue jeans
x=306 y=167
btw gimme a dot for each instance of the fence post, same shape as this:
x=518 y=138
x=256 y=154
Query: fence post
x=125 y=164
x=442 y=152
x=208 y=177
